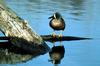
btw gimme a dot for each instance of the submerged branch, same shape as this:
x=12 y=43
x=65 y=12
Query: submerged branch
x=56 y=38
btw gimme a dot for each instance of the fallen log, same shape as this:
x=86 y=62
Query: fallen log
x=20 y=32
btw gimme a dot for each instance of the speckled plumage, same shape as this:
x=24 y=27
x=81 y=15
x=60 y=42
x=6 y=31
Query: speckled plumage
x=57 y=22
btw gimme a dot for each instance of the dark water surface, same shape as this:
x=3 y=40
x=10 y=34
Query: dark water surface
x=82 y=19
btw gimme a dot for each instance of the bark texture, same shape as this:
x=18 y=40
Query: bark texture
x=20 y=32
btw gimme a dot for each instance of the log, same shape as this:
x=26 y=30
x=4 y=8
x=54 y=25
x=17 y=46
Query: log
x=20 y=32
x=56 y=38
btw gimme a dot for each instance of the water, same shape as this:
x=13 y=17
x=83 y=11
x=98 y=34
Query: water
x=82 y=19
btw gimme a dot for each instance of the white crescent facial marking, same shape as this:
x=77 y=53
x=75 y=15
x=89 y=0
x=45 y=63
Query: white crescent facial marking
x=54 y=16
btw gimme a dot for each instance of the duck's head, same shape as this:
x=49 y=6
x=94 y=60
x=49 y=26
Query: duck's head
x=56 y=15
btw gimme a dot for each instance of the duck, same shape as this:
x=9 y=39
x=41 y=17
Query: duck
x=57 y=23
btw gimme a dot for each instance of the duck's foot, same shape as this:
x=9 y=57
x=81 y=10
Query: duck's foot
x=60 y=36
x=53 y=35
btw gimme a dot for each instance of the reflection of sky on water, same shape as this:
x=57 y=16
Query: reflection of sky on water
x=82 y=19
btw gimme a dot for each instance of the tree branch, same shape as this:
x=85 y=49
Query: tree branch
x=56 y=38
x=50 y=38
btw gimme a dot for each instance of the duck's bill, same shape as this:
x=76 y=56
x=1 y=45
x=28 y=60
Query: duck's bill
x=50 y=17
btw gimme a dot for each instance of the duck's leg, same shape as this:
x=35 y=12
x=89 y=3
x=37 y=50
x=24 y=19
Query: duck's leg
x=53 y=35
x=60 y=36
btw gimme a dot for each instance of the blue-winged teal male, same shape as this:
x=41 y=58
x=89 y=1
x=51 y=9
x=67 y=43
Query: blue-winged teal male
x=57 y=23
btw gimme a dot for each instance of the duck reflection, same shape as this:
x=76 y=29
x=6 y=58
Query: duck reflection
x=56 y=54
